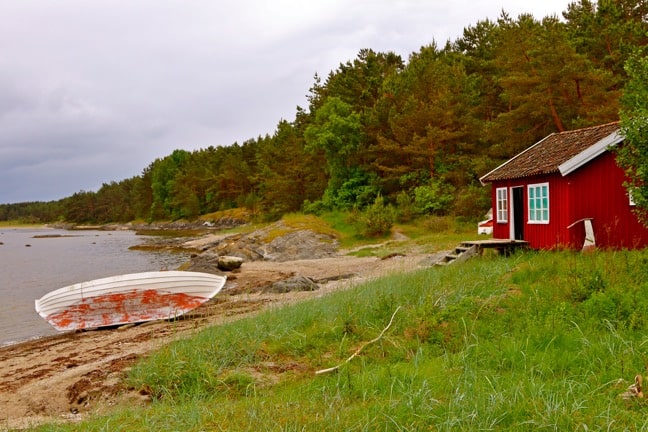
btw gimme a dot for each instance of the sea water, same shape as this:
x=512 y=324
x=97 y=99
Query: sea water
x=34 y=262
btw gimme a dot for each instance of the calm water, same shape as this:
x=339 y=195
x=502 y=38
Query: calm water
x=31 y=267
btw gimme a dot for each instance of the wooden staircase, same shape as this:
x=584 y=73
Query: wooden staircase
x=460 y=254
x=471 y=248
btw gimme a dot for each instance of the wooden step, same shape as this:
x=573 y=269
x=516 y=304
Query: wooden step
x=461 y=254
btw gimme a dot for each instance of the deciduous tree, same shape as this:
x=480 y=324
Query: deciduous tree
x=633 y=155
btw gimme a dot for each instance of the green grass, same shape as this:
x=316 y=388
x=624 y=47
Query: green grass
x=298 y=221
x=432 y=234
x=426 y=234
x=536 y=341
x=346 y=232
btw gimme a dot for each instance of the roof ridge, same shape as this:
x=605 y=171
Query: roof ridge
x=587 y=128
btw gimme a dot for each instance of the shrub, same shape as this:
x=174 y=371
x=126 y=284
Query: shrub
x=405 y=206
x=472 y=202
x=316 y=207
x=377 y=219
x=434 y=198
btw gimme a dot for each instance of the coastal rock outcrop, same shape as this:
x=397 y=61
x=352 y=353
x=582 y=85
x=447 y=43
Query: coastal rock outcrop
x=277 y=242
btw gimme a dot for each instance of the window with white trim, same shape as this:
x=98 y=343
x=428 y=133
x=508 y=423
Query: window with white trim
x=631 y=199
x=502 y=204
x=538 y=203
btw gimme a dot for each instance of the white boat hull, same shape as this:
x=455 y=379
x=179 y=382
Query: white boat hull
x=130 y=298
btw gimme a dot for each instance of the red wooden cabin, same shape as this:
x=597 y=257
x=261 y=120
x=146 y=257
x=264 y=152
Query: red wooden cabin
x=566 y=191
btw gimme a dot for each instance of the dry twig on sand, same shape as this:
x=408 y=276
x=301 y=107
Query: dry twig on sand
x=357 y=352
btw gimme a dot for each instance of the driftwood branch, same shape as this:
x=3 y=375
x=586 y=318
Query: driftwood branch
x=357 y=352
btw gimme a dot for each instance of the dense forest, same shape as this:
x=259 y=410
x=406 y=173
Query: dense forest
x=416 y=134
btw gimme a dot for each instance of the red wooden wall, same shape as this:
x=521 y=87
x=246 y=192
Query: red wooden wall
x=597 y=190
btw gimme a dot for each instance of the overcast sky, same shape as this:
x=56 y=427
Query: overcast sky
x=94 y=91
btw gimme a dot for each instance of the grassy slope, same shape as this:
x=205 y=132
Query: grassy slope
x=533 y=341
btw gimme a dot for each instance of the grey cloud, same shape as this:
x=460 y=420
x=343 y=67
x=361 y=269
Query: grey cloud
x=94 y=91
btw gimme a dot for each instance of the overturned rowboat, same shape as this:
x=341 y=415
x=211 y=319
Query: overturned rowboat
x=129 y=298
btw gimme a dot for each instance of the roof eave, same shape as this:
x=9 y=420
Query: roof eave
x=590 y=153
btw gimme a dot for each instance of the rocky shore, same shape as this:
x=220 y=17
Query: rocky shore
x=68 y=376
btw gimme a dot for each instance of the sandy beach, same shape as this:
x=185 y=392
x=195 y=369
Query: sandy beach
x=69 y=376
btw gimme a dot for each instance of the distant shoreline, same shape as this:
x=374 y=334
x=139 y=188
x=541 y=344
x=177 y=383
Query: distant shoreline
x=14 y=225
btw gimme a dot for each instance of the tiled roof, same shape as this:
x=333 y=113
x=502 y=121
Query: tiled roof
x=547 y=155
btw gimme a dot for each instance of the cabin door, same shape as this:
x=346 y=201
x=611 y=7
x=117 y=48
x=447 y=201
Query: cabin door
x=517 y=213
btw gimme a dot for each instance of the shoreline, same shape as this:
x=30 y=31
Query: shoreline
x=26 y=226
x=29 y=270
x=31 y=339
x=72 y=375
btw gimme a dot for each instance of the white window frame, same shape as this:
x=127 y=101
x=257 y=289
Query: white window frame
x=501 y=200
x=538 y=214
x=631 y=200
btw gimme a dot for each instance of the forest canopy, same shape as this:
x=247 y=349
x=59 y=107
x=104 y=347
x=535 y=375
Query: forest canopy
x=416 y=133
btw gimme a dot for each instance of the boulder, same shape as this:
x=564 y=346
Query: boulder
x=295 y=283
x=229 y=263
